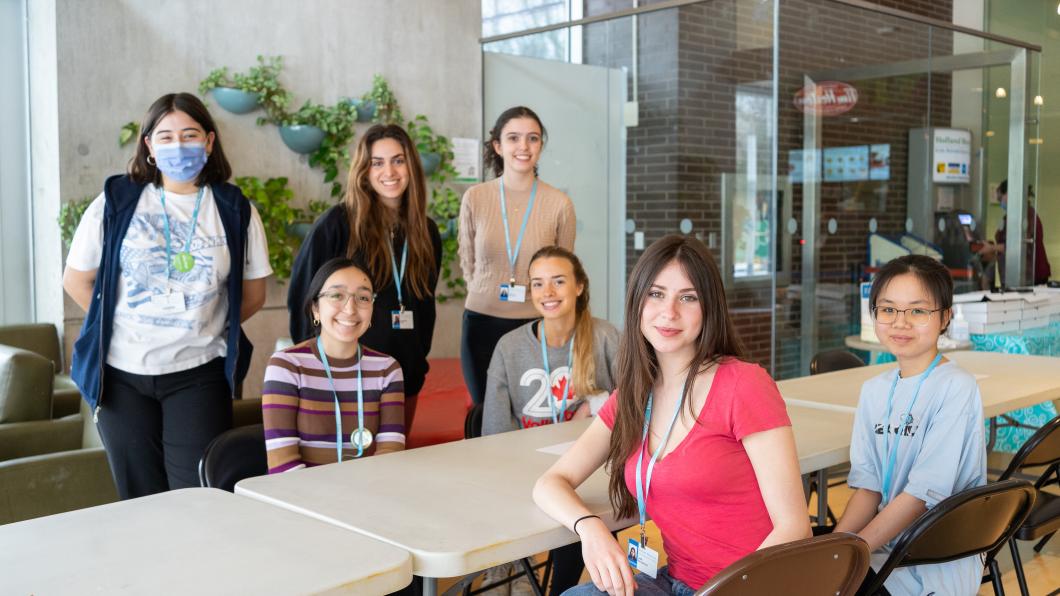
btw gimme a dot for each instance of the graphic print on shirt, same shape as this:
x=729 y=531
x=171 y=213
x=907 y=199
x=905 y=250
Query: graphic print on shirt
x=143 y=270
x=538 y=409
x=906 y=430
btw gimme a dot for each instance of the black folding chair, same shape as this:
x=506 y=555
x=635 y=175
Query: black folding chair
x=831 y=564
x=232 y=456
x=976 y=521
x=1041 y=449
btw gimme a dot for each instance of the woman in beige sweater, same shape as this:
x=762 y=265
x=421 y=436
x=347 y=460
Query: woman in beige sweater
x=503 y=222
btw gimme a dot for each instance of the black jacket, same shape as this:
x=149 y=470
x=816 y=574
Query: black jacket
x=328 y=239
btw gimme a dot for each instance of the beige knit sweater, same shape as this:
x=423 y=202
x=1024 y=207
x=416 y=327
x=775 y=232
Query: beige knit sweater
x=483 y=254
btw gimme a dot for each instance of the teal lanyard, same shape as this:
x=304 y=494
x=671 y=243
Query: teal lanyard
x=645 y=486
x=513 y=254
x=892 y=451
x=556 y=416
x=399 y=275
x=335 y=394
x=165 y=226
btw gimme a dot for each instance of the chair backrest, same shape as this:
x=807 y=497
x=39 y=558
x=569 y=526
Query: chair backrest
x=473 y=422
x=978 y=520
x=1041 y=449
x=829 y=564
x=40 y=338
x=233 y=456
x=25 y=386
x=833 y=360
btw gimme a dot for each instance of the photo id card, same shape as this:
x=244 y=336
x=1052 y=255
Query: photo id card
x=512 y=293
x=642 y=558
x=401 y=319
x=171 y=302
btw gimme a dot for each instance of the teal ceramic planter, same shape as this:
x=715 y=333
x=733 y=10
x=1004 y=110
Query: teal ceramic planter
x=449 y=231
x=302 y=138
x=300 y=229
x=235 y=100
x=430 y=161
x=365 y=111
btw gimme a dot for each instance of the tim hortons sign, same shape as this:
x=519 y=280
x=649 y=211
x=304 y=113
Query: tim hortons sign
x=827 y=98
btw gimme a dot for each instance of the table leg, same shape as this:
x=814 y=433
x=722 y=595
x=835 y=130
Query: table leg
x=430 y=586
x=822 y=497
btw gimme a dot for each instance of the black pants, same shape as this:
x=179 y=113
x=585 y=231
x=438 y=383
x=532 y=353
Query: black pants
x=567 y=566
x=155 y=427
x=480 y=336
x=869 y=577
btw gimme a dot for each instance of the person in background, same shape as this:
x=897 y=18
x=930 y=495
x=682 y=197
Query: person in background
x=383 y=223
x=686 y=398
x=167 y=262
x=502 y=223
x=329 y=398
x=918 y=430
x=556 y=368
x=1037 y=259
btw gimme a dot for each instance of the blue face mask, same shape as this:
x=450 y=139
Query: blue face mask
x=181 y=162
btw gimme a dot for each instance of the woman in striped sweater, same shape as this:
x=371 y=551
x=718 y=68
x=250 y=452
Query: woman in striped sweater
x=328 y=398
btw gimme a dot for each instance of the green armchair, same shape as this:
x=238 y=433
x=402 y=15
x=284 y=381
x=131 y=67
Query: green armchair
x=43 y=339
x=26 y=424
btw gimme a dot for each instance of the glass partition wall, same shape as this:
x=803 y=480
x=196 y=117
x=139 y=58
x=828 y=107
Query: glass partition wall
x=804 y=142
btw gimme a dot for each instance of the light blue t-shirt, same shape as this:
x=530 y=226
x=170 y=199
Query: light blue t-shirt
x=941 y=452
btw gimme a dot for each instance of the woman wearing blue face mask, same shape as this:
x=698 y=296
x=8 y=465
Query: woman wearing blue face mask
x=167 y=261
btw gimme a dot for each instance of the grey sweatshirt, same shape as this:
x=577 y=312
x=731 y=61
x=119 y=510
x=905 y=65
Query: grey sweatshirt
x=517 y=390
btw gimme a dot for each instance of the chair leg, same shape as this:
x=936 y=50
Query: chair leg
x=1041 y=543
x=995 y=578
x=547 y=573
x=1017 y=564
x=528 y=568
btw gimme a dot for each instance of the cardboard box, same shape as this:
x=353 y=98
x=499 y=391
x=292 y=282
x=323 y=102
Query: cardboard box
x=982 y=329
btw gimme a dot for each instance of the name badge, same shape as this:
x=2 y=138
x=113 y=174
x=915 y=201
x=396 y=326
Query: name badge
x=172 y=302
x=512 y=293
x=401 y=319
x=642 y=558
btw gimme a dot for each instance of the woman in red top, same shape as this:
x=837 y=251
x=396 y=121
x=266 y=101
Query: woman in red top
x=718 y=470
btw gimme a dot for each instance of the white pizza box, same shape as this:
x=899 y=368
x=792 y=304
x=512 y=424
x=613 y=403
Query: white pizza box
x=996 y=316
x=982 y=329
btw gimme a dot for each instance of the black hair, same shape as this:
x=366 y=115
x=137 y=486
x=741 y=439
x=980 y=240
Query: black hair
x=490 y=158
x=932 y=274
x=1002 y=189
x=316 y=285
x=215 y=171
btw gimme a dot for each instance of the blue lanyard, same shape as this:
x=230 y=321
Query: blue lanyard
x=165 y=227
x=335 y=394
x=399 y=276
x=556 y=417
x=513 y=255
x=892 y=452
x=643 y=488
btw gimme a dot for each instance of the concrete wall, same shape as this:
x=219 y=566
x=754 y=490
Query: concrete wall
x=117 y=56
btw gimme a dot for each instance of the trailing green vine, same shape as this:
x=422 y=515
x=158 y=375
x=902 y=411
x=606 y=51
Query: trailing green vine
x=263 y=79
x=337 y=123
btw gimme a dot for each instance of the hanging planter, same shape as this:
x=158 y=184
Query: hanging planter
x=365 y=110
x=236 y=101
x=300 y=229
x=302 y=138
x=430 y=161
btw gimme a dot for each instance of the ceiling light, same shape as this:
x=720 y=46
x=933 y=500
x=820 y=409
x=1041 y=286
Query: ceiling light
x=1038 y=100
x=1000 y=93
x=989 y=133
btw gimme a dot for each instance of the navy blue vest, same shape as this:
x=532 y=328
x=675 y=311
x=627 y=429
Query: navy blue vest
x=90 y=349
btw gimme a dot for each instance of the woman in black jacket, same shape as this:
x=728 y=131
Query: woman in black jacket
x=383 y=223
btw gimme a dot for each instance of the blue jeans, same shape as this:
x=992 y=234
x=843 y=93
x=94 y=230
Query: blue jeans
x=663 y=585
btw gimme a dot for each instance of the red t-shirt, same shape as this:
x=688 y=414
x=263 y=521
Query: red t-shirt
x=704 y=495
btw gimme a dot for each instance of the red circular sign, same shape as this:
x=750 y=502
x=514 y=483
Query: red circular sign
x=826 y=98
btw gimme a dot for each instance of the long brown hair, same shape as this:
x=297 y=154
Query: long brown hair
x=584 y=384
x=371 y=221
x=638 y=366
x=143 y=171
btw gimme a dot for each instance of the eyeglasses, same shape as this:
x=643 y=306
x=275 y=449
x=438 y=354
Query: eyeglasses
x=888 y=315
x=339 y=299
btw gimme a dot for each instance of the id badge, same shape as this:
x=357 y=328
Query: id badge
x=173 y=302
x=642 y=558
x=401 y=319
x=512 y=293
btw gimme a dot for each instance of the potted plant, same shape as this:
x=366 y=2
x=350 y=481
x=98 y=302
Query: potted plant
x=244 y=92
x=272 y=199
x=303 y=131
x=306 y=218
x=380 y=104
x=433 y=148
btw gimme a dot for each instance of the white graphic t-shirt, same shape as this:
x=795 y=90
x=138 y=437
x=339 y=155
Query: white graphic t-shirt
x=150 y=336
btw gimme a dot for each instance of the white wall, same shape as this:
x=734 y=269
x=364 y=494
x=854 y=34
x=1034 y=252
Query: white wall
x=117 y=56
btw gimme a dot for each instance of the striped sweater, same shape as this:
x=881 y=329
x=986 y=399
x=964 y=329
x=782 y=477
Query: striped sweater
x=298 y=407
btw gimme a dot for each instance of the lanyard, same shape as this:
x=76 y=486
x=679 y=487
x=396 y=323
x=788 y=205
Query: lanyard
x=335 y=394
x=399 y=276
x=892 y=452
x=513 y=255
x=548 y=373
x=643 y=488
x=165 y=224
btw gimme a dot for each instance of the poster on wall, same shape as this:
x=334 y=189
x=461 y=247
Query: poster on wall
x=466 y=155
x=952 y=156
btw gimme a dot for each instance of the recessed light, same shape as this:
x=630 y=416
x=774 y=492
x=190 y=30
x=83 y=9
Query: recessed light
x=1000 y=93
